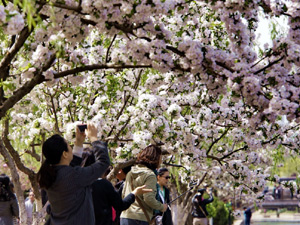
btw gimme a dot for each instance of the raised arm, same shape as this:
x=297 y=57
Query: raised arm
x=88 y=174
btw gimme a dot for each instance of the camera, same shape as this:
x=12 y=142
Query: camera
x=82 y=127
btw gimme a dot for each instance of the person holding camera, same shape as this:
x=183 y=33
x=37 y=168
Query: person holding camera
x=199 y=212
x=69 y=188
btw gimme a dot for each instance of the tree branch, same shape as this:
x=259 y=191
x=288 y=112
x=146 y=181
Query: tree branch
x=109 y=47
x=6 y=61
x=15 y=155
x=97 y=67
x=119 y=166
x=62 y=6
x=269 y=65
x=15 y=179
x=216 y=141
x=229 y=154
x=135 y=86
x=25 y=89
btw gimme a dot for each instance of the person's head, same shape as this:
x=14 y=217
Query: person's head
x=201 y=191
x=150 y=157
x=163 y=176
x=57 y=152
x=5 y=190
x=88 y=158
x=31 y=196
x=244 y=208
x=121 y=175
x=12 y=187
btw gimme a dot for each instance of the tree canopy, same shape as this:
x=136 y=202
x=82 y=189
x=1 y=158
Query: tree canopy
x=180 y=73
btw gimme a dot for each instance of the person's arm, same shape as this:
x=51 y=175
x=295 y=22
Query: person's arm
x=116 y=200
x=195 y=200
x=150 y=198
x=208 y=200
x=15 y=207
x=87 y=175
x=78 y=148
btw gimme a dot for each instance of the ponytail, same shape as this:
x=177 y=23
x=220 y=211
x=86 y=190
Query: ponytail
x=46 y=175
x=53 y=149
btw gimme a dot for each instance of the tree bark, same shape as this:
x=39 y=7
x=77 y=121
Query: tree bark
x=16 y=181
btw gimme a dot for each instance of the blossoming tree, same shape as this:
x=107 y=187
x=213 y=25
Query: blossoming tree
x=180 y=73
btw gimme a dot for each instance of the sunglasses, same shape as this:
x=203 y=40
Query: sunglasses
x=167 y=177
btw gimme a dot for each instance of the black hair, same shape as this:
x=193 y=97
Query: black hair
x=201 y=190
x=127 y=169
x=161 y=171
x=5 y=190
x=52 y=149
x=88 y=158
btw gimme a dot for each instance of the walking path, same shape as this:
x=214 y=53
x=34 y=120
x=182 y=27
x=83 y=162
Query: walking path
x=260 y=217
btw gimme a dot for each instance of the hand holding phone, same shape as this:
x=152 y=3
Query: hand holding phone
x=82 y=127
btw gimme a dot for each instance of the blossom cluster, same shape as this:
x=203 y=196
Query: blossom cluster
x=184 y=74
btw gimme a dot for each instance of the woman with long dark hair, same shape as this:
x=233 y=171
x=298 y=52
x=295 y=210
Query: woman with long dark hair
x=163 y=194
x=8 y=202
x=141 y=211
x=69 y=188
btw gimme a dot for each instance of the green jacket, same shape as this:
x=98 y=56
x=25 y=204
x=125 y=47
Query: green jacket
x=141 y=175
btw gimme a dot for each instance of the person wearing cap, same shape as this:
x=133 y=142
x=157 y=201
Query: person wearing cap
x=199 y=212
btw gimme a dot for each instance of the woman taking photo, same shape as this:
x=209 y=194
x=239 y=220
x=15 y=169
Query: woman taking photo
x=69 y=188
x=141 y=211
x=163 y=194
x=8 y=202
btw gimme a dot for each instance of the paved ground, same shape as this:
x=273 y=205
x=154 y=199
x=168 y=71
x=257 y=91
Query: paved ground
x=259 y=217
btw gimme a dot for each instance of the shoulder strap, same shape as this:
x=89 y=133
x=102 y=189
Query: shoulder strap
x=202 y=211
x=140 y=203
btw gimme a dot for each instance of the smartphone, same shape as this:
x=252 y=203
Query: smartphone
x=82 y=127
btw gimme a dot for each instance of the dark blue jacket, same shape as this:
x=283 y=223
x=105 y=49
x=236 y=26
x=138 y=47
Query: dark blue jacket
x=199 y=206
x=104 y=197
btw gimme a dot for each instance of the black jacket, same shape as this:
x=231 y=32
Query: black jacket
x=119 y=188
x=198 y=204
x=105 y=197
x=167 y=217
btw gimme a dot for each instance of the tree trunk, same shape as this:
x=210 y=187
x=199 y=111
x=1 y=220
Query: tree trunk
x=16 y=181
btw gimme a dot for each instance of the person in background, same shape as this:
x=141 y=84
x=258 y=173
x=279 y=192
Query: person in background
x=29 y=206
x=119 y=188
x=105 y=196
x=228 y=206
x=247 y=215
x=69 y=188
x=163 y=194
x=121 y=176
x=9 y=207
x=199 y=212
x=148 y=160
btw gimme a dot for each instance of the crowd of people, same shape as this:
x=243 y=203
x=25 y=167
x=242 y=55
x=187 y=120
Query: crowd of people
x=78 y=192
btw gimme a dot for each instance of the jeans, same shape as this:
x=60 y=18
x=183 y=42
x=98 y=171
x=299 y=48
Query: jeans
x=125 y=221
